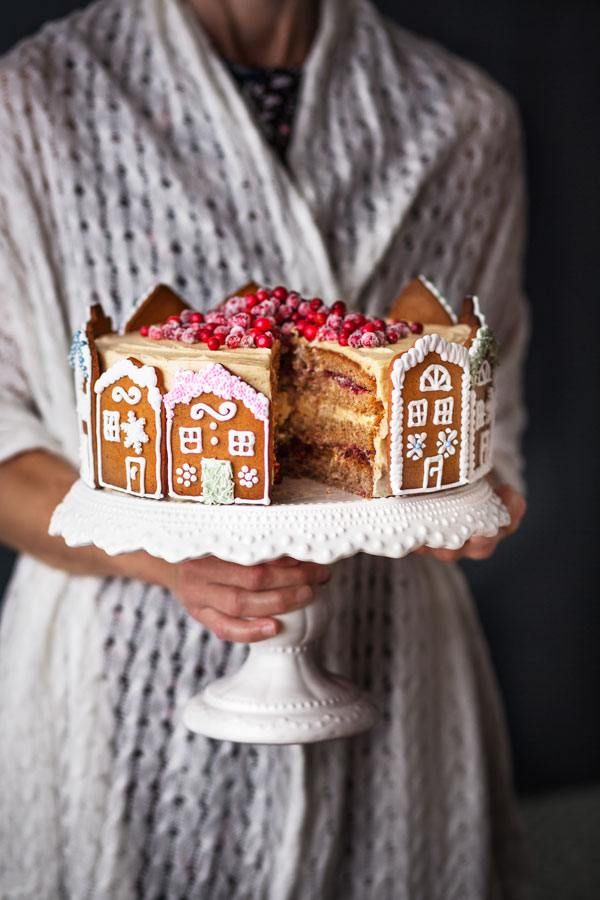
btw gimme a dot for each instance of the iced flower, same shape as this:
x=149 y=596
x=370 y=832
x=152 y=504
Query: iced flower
x=247 y=477
x=415 y=444
x=447 y=441
x=186 y=475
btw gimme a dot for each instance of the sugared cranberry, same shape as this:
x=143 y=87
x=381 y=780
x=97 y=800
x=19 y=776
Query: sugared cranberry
x=416 y=327
x=213 y=342
x=264 y=340
x=339 y=308
x=370 y=326
x=263 y=323
x=280 y=293
x=144 y=330
x=343 y=339
x=316 y=303
x=309 y=331
x=262 y=295
x=196 y=317
x=251 y=301
x=176 y=319
x=233 y=341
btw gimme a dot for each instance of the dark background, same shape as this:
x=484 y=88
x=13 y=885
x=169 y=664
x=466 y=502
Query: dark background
x=538 y=596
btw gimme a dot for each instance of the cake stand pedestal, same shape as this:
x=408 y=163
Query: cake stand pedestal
x=281 y=694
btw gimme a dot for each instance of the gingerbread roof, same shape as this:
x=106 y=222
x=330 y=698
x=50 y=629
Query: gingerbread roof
x=420 y=301
x=156 y=306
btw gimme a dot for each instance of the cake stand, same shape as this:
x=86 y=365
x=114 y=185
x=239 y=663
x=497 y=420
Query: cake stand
x=281 y=694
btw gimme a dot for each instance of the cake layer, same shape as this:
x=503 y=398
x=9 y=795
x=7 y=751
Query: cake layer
x=345 y=467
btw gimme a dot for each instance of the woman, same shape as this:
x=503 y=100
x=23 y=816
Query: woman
x=137 y=145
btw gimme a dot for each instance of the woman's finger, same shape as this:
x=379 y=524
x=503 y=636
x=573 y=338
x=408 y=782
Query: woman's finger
x=229 y=628
x=240 y=603
x=268 y=576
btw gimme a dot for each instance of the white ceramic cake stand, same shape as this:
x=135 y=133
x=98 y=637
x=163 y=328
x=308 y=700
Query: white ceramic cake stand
x=281 y=694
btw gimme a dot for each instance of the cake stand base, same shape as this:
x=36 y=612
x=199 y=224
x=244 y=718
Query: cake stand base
x=282 y=695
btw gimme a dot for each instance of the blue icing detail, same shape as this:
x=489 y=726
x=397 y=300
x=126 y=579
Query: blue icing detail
x=76 y=357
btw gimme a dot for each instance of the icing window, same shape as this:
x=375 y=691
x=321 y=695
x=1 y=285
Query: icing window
x=479 y=414
x=241 y=443
x=435 y=378
x=485 y=372
x=111 y=428
x=417 y=413
x=190 y=440
x=484 y=451
x=443 y=411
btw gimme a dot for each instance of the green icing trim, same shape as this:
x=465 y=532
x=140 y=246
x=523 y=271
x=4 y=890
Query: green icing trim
x=484 y=346
x=217 y=481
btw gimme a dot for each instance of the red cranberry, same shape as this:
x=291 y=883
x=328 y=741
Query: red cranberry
x=343 y=339
x=280 y=293
x=204 y=335
x=262 y=323
x=309 y=331
x=209 y=327
x=369 y=326
x=316 y=303
x=262 y=295
x=339 y=308
x=319 y=319
x=416 y=327
x=295 y=317
x=264 y=340
x=392 y=337
x=214 y=342
x=144 y=330
x=175 y=319
x=251 y=301
x=380 y=324
x=196 y=317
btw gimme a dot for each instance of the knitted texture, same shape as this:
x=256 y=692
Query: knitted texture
x=127 y=155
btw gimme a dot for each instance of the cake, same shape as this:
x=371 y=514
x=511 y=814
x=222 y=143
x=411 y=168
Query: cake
x=216 y=407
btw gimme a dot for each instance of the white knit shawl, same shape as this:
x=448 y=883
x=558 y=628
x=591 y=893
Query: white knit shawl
x=127 y=156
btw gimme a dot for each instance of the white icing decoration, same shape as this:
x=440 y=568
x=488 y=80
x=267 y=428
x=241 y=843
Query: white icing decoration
x=226 y=411
x=241 y=443
x=435 y=378
x=417 y=413
x=449 y=353
x=447 y=441
x=111 y=426
x=135 y=433
x=214 y=441
x=434 y=465
x=213 y=426
x=248 y=477
x=443 y=411
x=190 y=440
x=186 y=475
x=484 y=374
x=131 y=396
x=415 y=444
x=135 y=469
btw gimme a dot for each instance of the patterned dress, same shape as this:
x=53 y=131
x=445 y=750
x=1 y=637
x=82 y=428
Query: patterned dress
x=128 y=155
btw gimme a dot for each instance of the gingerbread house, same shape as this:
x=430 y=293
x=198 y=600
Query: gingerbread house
x=128 y=428
x=217 y=438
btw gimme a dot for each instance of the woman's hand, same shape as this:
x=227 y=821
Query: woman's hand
x=483 y=547
x=237 y=603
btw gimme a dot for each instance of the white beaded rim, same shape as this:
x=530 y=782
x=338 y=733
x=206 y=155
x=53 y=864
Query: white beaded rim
x=307 y=521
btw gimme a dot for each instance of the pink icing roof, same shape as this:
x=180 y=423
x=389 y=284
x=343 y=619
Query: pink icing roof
x=215 y=379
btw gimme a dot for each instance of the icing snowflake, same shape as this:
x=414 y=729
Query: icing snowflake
x=186 y=475
x=416 y=445
x=135 y=435
x=447 y=441
x=247 y=477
